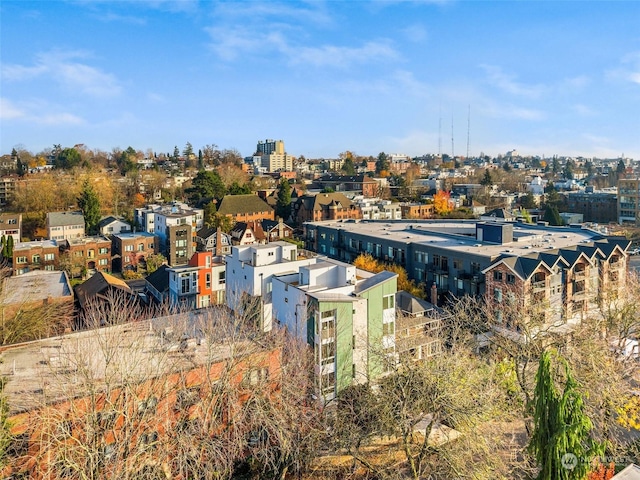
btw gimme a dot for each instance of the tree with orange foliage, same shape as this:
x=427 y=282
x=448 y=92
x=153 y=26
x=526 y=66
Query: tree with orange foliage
x=601 y=472
x=442 y=203
x=365 y=261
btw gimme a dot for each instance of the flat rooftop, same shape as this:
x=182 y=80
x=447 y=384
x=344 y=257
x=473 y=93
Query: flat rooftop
x=460 y=236
x=58 y=368
x=36 y=286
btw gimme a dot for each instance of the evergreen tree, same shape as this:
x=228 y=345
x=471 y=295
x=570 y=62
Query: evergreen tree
x=348 y=168
x=176 y=153
x=486 y=181
x=561 y=441
x=205 y=187
x=188 y=150
x=552 y=215
x=382 y=164
x=90 y=206
x=283 y=204
x=200 y=160
x=10 y=246
x=3 y=245
x=209 y=213
x=620 y=169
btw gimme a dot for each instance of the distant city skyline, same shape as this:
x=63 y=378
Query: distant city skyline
x=543 y=78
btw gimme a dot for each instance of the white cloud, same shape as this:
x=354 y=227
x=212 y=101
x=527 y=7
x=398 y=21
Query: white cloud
x=507 y=82
x=629 y=70
x=8 y=111
x=64 y=68
x=59 y=119
x=312 y=12
x=335 y=56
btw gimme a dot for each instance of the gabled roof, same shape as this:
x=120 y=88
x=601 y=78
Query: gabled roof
x=552 y=258
x=609 y=244
x=572 y=256
x=60 y=219
x=242 y=204
x=98 y=284
x=524 y=266
x=411 y=304
x=240 y=228
x=323 y=200
x=109 y=220
x=159 y=279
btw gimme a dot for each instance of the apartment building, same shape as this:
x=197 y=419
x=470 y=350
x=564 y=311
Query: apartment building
x=65 y=225
x=417 y=211
x=38 y=255
x=7 y=189
x=86 y=256
x=355 y=184
x=11 y=226
x=213 y=240
x=556 y=289
x=629 y=200
x=249 y=275
x=198 y=285
x=129 y=249
x=450 y=254
x=246 y=208
x=324 y=206
x=598 y=206
x=347 y=316
x=159 y=219
x=378 y=209
x=162 y=374
x=273 y=157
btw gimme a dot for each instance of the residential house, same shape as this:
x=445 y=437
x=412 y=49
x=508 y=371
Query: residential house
x=11 y=226
x=198 y=285
x=358 y=184
x=39 y=255
x=247 y=233
x=213 y=240
x=102 y=287
x=85 y=256
x=112 y=226
x=276 y=230
x=419 y=327
x=245 y=208
x=179 y=244
x=324 y=206
x=157 y=284
x=65 y=225
x=130 y=249
x=159 y=219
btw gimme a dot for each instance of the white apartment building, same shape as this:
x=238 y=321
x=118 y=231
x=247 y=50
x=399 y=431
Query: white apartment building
x=65 y=225
x=156 y=218
x=249 y=275
x=378 y=209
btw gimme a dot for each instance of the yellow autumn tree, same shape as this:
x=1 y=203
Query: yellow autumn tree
x=441 y=202
x=629 y=414
x=365 y=261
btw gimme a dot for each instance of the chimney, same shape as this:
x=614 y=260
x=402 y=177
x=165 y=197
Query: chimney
x=218 y=249
x=280 y=228
x=434 y=294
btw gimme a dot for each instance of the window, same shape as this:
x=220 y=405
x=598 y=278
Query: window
x=103 y=261
x=328 y=351
x=497 y=295
x=103 y=251
x=184 y=285
x=35 y=258
x=221 y=277
x=91 y=253
x=151 y=246
x=388 y=301
x=388 y=328
x=207 y=280
x=511 y=278
x=49 y=257
x=128 y=248
x=181 y=243
x=256 y=376
x=497 y=276
x=328 y=382
x=141 y=247
x=457 y=263
x=21 y=259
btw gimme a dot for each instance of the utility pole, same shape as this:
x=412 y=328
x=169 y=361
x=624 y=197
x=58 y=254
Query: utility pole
x=468 y=128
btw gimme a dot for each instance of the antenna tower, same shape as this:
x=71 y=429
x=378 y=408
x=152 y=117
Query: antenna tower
x=452 y=154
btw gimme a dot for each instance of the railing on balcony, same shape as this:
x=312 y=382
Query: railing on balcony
x=580 y=276
x=539 y=286
x=579 y=294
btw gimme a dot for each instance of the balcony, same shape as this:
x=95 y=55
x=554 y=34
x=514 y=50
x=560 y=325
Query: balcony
x=580 y=276
x=579 y=295
x=539 y=286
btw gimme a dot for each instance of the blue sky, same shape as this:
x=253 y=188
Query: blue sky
x=542 y=77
